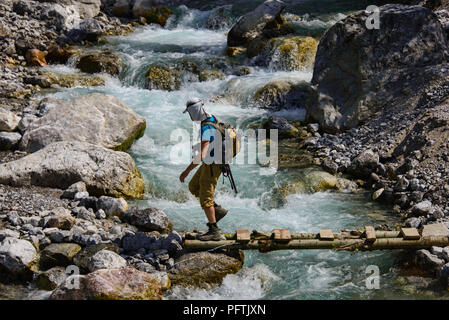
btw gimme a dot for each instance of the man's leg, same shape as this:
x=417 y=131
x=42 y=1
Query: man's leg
x=210 y=214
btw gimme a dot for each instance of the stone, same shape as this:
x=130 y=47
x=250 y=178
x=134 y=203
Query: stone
x=203 y=269
x=83 y=213
x=140 y=240
x=121 y=9
x=413 y=222
x=100 y=214
x=51 y=279
x=376 y=195
x=112 y=284
x=71 y=191
x=151 y=12
x=87 y=30
x=61 y=17
x=445 y=253
x=427 y=259
x=82 y=258
x=438 y=251
x=150 y=219
x=434 y=230
x=112 y=206
x=8 y=233
x=60 y=218
x=94 y=118
x=17 y=257
x=60 y=164
x=318 y=181
x=8 y=120
x=364 y=164
x=361 y=69
x=59 y=55
x=422 y=208
x=105 y=259
x=283 y=126
x=9 y=140
x=162 y=78
x=58 y=255
x=220 y=19
x=252 y=24
x=35 y=58
x=444 y=273
x=100 y=62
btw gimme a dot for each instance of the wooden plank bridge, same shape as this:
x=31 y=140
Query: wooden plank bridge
x=349 y=240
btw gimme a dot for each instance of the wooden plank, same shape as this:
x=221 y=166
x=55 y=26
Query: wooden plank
x=282 y=235
x=410 y=233
x=326 y=234
x=243 y=235
x=370 y=234
x=434 y=230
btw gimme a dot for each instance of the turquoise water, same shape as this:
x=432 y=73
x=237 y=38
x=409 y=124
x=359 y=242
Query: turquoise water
x=276 y=275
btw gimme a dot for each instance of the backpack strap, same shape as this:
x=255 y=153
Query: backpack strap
x=213 y=124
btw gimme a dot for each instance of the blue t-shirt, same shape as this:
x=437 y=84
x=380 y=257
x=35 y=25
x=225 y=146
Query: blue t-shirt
x=208 y=133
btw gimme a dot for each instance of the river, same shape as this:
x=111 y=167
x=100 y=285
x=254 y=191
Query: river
x=277 y=275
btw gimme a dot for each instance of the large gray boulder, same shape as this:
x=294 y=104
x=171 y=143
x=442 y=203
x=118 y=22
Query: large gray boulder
x=95 y=118
x=150 y=219
x=106 y=259
x=253 y=23
x=104 y=171
x=9 y=140
x=361 y=69
x=8 y=120
x=17 y=256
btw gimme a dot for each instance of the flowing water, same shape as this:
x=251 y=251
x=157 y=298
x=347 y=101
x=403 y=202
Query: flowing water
x=277 y=275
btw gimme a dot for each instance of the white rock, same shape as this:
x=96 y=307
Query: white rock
x=17 y=255
x=106 y=259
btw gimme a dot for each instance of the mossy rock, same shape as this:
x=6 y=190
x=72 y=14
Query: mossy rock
x=203 y=269
x=157 y=15
x=235 y=52
x=73 y=80
x=162 y=78
x=208 y=75
x=100 y=62
x=293 y=52
x=320 y=181
x=58 y=254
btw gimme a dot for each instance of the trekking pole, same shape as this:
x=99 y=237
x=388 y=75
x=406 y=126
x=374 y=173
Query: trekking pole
x=231 y=178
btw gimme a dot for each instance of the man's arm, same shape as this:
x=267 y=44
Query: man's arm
x=196 y=161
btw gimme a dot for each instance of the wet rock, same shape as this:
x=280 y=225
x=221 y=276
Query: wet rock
x=286 y=53
x=107 y=122
x=112 y=206
x=161 y=78
x=105 y=172
x=81 y=259
x=59 y=55
x=150 y=219
x=283 y=94
x=283 y=126
x=58 y=254
x=320 y=181
x=51 y=79
x=221 y=19
x=121 y=8
x=151 y=12
x=71 y=191
x=350 y=49
x=51 y=279
x=253 y=23
x=203 y=269
x=35 y=58
x=8 y=120
x=17 y=257
x=112 y=284
x=9 y=140
x=100 y=62
x=59 y=218
x=106 y=259
x=425 y=258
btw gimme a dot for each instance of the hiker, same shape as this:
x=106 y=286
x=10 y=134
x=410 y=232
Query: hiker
x=204 y=181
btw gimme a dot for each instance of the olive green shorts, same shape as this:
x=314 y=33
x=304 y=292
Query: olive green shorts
x=203 y=184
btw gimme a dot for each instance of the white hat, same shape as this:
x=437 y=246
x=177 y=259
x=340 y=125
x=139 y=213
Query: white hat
x=195 y=107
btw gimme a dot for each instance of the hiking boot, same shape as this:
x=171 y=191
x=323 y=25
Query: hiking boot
x=212 y=235
x=220 y=212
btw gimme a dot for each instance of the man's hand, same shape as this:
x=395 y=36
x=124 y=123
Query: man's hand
x=183 y=176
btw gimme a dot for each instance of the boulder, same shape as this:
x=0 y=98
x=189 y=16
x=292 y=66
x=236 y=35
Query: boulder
x=121 y=8
x=9 y=140
x=87 y=30
x=150 y=219
x=81 y=259
x=162 y=78
x=426 y=259
x=285 y=128
x=87 y=8
x=8 y=233
x=253 y=23
x=364 y=164
x=8 y=120
x=112 y=284
x=71 y=191
x=35 y=58
x=59 y=55
x=220 y=19
x=58 y=255
x=422 y=208
x=286 y=53
x=203 y=269
x=362 y=69
x=17 y=257
x=105 y=259
x=434 y=230
x=318 y=181
x=283 y=94
x=104 y=171
x=133 y=242
x=62 y=17
x=94 y=118
x=112 y=206
x=59 y=218
x=51 y=279
x=100 y=62
x=150 y=10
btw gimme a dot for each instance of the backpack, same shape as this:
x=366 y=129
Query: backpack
x=226 y=129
